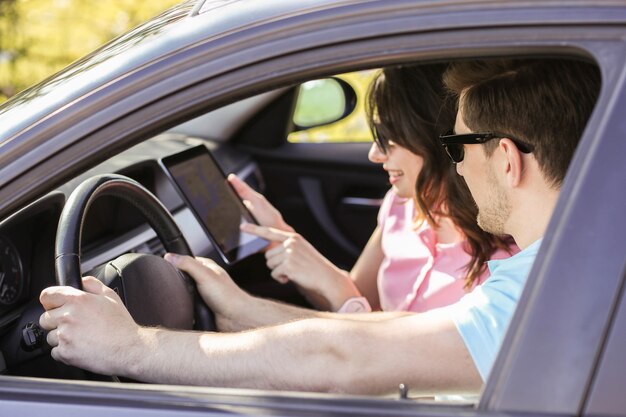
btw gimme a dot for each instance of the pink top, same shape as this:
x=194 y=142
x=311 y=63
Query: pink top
x=417 y=273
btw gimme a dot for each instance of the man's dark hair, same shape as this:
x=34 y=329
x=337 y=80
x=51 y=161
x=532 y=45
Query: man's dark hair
x=543 y=102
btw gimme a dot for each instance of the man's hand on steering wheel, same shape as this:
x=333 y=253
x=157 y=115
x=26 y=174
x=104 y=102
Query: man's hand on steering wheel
x=95 y=323
x=91 y=329
x=217 y=289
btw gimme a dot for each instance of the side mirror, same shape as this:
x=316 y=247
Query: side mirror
x=323 y=101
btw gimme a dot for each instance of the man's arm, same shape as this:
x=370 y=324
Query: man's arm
x=237 y=310
x=424 y=353
x=93 y=330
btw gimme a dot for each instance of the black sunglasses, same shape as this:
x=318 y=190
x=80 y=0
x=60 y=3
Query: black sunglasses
x=453 y=144
x=380 y=139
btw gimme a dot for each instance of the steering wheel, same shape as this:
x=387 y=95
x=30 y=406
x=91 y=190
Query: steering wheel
x=153 y=290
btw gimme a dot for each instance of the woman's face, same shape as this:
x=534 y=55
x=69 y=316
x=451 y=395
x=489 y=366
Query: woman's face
x=402 y=165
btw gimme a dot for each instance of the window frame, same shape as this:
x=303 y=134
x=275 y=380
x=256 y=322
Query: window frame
x=513 y=386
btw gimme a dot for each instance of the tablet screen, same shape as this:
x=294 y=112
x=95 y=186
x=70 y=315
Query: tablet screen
x=214 y=202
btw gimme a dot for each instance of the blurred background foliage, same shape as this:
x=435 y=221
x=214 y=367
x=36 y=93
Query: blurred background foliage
x=354 y=128
x=40 y=37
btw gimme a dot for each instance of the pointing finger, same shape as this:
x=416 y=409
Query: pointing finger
x=268 y=233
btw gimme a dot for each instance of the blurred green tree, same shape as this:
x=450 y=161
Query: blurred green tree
x=8 y=19
x=40 y=37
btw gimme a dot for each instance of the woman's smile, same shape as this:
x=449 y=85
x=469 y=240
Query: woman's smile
x=394 y=175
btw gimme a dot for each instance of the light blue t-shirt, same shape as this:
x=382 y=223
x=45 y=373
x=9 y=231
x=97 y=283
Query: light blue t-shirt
x=483 y=315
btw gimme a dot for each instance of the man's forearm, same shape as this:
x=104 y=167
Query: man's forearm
x=253 y=312
x=250 y=312
x=270 y=358
x=311 y=355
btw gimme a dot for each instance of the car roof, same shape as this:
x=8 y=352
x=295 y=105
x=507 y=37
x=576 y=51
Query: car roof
x=184 y=26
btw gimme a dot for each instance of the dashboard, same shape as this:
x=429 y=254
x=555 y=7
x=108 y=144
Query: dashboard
x=111 y=227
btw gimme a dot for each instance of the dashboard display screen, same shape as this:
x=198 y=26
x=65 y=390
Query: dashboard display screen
x=204 y=187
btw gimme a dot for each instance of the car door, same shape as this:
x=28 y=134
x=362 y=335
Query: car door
x=550 y=354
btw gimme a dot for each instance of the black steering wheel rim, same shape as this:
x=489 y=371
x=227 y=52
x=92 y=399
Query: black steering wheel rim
x=69 y=232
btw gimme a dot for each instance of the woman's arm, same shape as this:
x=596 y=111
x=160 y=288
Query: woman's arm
x=364 y=273
x=293 y=258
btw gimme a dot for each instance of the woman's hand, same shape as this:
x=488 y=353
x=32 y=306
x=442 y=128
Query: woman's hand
x=293 y=258
x=266 y=214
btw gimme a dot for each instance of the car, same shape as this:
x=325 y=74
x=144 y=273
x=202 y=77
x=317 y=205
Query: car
x=227 y=75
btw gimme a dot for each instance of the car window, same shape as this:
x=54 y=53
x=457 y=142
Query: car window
x=352 y=128
x=316 y=180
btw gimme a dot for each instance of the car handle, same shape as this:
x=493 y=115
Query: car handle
x=314 y=197
x=362 y=202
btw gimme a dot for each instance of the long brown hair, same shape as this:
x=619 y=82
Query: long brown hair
x=409 y=105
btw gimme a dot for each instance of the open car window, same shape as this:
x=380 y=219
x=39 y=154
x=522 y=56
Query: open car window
x=113 y=228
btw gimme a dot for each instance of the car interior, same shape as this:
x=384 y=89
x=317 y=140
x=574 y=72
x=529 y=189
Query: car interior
x=331 y=198
x=317 y=176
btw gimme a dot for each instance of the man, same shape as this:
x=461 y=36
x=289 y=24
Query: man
x=517 y=127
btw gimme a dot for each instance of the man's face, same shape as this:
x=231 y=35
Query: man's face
x=478 y=171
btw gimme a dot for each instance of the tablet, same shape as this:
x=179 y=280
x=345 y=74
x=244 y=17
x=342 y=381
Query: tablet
x=214 y=202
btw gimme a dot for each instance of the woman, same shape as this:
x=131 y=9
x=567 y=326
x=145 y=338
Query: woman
x=427 y=250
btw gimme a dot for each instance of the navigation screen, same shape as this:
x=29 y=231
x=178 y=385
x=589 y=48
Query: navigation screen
x=214 y=202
